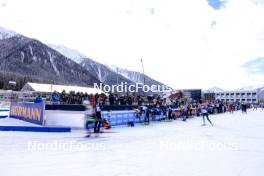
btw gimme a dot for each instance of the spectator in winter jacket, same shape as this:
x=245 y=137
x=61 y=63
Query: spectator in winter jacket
x=92 y=100
x=111 y=99
x=55 y=97
x=38 y=99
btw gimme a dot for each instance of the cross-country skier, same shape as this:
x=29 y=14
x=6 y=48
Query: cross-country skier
x=147 y=116
x=244 y=108
x=89 y=119
x=98 y=119
x=205 y=114
x=184 y=113
x=169 y=113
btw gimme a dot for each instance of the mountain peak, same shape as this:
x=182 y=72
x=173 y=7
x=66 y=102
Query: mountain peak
x=214 y=90
x=134 y=76
x=72 y=54
x=5 y=33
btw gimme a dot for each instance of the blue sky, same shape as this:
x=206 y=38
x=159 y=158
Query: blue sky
x=255 y=66
x=216 y=4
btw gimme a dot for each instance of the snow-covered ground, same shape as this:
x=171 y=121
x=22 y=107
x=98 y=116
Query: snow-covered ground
x=233 y=147
x=14 y=122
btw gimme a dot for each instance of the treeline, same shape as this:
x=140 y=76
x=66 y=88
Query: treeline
x=20 y=80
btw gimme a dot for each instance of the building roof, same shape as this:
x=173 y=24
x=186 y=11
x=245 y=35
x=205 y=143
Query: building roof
x=38 y=87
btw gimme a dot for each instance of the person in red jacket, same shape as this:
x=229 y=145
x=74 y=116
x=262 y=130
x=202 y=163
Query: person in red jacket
x=92 y=100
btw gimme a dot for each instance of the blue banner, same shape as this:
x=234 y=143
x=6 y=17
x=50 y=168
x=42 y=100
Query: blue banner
x=119 y=117
x=30 y=112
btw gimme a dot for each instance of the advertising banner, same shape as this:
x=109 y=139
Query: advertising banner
x=30 y=112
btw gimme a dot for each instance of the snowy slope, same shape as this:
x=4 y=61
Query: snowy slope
x=75 y=55
x=5 y=33
x=103 y=73
x=132 y=75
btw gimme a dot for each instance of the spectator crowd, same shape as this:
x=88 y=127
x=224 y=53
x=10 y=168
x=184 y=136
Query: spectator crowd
x=110 y=99
x=172 y=109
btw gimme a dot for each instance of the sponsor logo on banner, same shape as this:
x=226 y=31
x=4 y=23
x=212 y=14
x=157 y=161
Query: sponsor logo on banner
x=30 y=112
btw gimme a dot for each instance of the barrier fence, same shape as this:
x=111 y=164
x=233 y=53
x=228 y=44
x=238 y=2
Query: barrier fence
x=71 y=115
x=33 y=113
x=117 y=118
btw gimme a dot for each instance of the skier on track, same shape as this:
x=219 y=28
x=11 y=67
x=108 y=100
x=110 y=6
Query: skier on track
x=184 y=113
x=205 y=114
x=98 y=120
x=147 y=114
x=169 y=113
x=244 y=108
x=89 y=119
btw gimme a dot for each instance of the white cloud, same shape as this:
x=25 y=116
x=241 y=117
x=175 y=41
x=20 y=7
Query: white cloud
x=258 y=2
x=174 y=37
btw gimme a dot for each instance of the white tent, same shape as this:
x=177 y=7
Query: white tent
x=37 y=87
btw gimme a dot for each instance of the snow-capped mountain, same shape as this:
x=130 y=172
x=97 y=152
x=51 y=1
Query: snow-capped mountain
x=134 y=76
x=247 y=88
x=250 y=88
x=214 y=90
x=106 y=74
x=103 y=73
x=4 y=33
x=75 y=55
x=98 y=70
x=24 y=59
